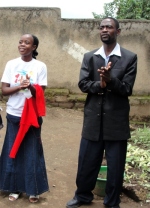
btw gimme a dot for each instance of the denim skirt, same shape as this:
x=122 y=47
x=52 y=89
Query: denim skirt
x=27 y=172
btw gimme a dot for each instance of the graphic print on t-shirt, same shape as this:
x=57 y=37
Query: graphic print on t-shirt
x=21 y=75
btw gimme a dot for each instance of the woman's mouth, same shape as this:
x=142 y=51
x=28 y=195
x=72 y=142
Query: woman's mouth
x=21 y=49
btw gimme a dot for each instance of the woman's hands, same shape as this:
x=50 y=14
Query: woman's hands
x=24 y=83
x=105 y=75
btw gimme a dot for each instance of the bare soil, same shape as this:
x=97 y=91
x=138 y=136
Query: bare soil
x=61 y=135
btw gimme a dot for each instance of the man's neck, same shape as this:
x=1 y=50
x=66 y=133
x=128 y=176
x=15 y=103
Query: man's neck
x=109 y=48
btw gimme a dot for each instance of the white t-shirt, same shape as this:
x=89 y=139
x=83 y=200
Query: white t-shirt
x=14 y=70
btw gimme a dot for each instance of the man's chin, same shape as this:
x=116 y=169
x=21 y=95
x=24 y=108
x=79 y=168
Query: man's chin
x=106 y=41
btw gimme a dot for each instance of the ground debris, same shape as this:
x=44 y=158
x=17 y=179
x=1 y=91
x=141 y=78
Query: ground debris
x=135 y=192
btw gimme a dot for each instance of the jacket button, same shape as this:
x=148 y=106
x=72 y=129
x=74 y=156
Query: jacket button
x=104 y=113
x=98 y=114
x=108 y=90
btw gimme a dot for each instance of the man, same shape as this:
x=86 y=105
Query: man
x=107 y=76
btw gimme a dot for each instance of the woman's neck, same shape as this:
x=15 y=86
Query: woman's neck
x=26 y=58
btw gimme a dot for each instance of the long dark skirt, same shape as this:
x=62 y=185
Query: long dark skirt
x=26 y=173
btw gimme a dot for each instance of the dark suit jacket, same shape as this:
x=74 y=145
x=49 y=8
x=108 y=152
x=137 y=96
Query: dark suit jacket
x=106 y=111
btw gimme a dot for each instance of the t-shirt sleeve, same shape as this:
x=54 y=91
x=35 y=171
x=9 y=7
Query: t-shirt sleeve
x=6 y=77
x=42 y=76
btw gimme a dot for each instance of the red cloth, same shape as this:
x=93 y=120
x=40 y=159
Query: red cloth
x=33 y=108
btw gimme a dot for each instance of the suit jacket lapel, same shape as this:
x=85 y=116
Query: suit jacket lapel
x=99 y=61
x=113 y=59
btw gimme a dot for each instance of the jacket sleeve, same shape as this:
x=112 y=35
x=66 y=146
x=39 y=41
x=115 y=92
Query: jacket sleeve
x=125 y=85
x=87 y=82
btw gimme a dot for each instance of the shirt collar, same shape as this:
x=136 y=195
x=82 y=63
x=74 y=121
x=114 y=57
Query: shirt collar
x=116 y=51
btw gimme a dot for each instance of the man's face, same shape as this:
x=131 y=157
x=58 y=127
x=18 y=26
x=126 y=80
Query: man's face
x=108 y=31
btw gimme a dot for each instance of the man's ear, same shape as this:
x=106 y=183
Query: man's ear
x=118 y=31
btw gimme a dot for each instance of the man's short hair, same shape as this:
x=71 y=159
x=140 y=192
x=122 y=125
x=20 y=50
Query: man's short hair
x=115 y=21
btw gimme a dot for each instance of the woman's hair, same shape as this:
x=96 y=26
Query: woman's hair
x=35 y=42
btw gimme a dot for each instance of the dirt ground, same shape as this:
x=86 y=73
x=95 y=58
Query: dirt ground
x=61 y=134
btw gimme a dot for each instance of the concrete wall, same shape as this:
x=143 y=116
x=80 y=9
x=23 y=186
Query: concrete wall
x=64 y=41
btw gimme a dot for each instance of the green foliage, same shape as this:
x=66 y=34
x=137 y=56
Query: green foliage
x=138 y=157
x=139 y=160
x=126 y=9
x=141 y=136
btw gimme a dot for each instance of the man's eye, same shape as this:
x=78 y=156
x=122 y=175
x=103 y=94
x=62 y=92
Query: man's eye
x=109 y=26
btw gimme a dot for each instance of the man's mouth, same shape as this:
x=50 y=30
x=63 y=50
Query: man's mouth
x=105 y=36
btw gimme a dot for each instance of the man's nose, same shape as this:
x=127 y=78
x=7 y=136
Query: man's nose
x=104 y=28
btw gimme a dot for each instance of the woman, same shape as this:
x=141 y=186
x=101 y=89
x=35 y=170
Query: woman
x=25 y=172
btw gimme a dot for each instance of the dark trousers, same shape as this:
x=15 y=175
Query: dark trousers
x=89 y=162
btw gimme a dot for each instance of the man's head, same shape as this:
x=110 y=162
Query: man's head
x=109 y=30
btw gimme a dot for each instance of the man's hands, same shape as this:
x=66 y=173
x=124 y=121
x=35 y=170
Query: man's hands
x=25 y=83
x=105 y=75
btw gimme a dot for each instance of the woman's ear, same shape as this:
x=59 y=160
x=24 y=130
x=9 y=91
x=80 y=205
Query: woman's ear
x=34 y=47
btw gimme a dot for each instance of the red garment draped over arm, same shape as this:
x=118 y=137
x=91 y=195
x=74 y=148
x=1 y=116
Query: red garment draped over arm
x=33 y=108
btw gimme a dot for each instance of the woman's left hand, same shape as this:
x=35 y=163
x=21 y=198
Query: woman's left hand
x=24 y=83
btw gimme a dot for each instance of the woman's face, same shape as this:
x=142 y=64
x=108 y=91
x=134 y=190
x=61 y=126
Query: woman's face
x=26 y=46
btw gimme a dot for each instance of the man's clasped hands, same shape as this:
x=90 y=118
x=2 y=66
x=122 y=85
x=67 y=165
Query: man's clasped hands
x=105 y=75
